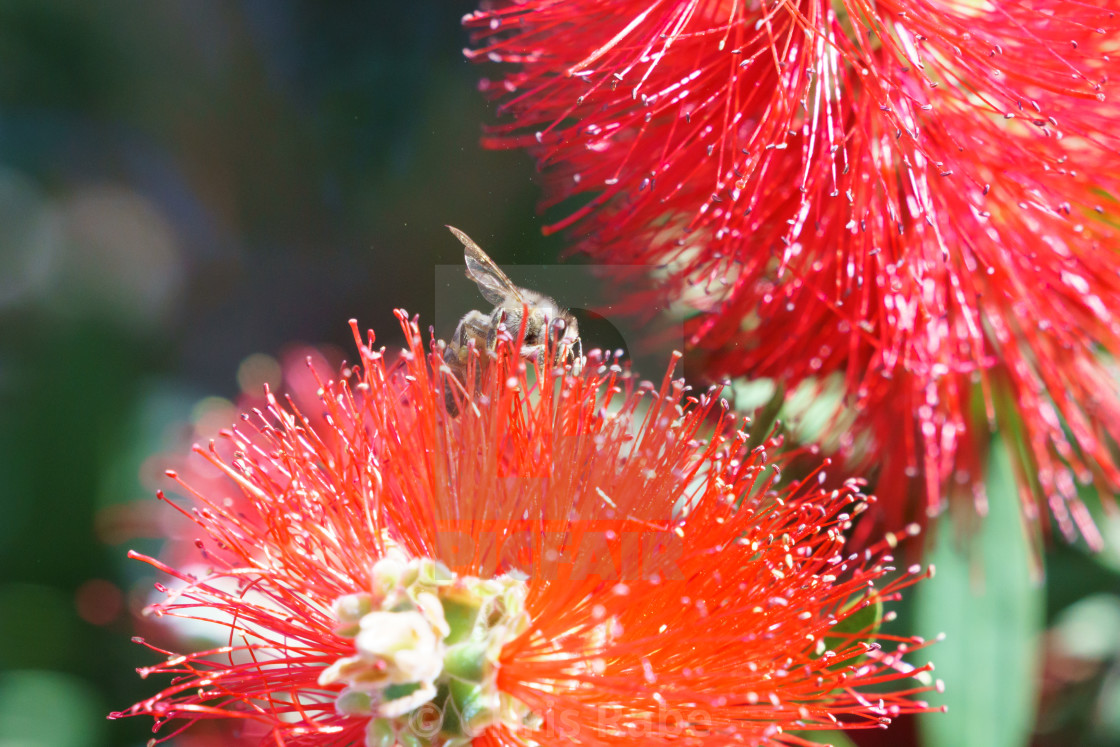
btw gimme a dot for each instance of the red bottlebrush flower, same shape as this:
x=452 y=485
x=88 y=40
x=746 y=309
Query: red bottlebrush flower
x=572 y=559
x=904 y=196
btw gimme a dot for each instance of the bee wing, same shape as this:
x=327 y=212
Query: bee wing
x=491 y=281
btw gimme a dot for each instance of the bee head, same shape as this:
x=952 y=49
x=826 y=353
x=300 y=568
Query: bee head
x=564 y=331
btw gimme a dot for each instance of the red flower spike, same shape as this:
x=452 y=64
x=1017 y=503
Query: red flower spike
x=902 y=194
x=646 y=575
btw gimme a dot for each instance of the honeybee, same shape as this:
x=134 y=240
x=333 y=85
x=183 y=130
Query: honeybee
x=548 y=327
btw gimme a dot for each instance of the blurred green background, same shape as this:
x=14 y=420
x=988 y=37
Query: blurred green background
x=186 y=183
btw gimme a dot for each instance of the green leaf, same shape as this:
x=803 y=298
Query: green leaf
x=833 y=737
x=862 y=624
x=990 y=608
x=864 y=621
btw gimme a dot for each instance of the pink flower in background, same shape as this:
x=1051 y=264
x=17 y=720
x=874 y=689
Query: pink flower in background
x=908 y=198
x=572 y=559
x=293 y=374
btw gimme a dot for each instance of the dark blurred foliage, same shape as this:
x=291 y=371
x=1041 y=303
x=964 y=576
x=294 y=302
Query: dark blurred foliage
x=186 y=183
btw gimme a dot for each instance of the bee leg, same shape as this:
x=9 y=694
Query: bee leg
x=576 y=354
x=497 y=321
x=557 y=332
x=473 y=326
x=533 y=353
